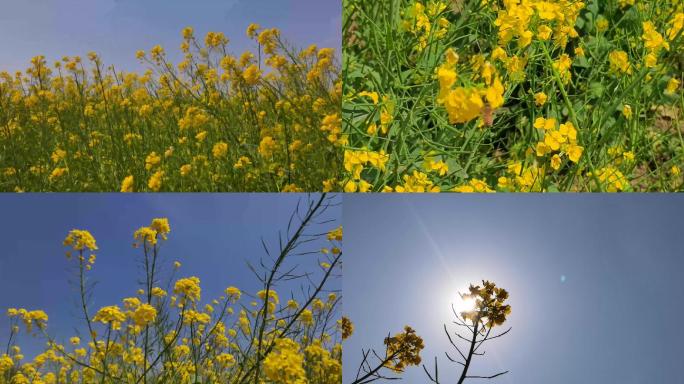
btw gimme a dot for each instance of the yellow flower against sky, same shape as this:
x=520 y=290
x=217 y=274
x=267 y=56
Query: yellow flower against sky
x=266 y=119
x=179 y=322
x=472 y=288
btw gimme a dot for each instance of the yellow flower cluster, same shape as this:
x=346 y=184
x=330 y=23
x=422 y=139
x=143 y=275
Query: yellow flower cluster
x=158 y=229
x=354 y=163
x=143 y=315
x=285 y=363
x=233 y=294
x=403 y=349
x=489 y=308
x=417 y=182
x=332 y=125
x=464 y=104
x=620 y=156
x=611 y=179
x=192 y=317
x=672 y=86
x=189 y=288
x=522 y=178
x=562 y=66
x=425 y=22
x=558 y=141
x=29 y=318
x=619 y=62
x=79 y=240
x=272 y=302
x=347 y=327
x=112 y=315
x=323 y=366
x=439 y=166
x=6 y=363
x=474 y=186
x=555 y=18
x=336 y=234
x=676 y=26
x=653 y=40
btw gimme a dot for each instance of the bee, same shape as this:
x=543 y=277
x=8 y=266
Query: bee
x=488 y=114
x=457 y=6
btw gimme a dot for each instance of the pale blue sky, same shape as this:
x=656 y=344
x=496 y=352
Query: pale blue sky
x=595 y=281
x=212 y=235
x=117 y=28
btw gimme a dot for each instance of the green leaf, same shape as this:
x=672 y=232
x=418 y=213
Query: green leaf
x=596 y=89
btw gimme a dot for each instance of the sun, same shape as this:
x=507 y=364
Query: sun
x=464 y=304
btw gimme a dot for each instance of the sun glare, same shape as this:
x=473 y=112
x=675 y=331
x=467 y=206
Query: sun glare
x=464 y=305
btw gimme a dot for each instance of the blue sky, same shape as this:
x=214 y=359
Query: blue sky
x=212 y=235
x=116 y=29
x=595 y=281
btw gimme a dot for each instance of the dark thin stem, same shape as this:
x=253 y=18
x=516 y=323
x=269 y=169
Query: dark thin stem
x=470 y=352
